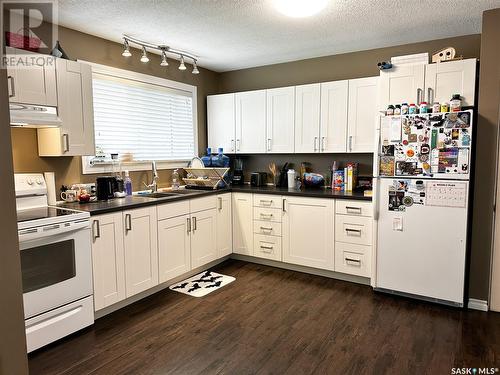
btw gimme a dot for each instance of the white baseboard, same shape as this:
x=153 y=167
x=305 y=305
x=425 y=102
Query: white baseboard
x=477 y=304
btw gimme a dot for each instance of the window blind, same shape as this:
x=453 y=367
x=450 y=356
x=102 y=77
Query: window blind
x=149 y=121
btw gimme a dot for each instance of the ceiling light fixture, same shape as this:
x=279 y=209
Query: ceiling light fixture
x=181 y=65
x=164 y=61
x=195 y=68
x=126 y=50
x=144 y=57
x=299 y=8
x=164 y=49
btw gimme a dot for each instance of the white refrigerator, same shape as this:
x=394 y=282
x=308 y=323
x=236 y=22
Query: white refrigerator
x=422 y=169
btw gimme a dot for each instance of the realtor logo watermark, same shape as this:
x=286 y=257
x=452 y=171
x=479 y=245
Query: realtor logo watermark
x=29 y=25
x=474 y=370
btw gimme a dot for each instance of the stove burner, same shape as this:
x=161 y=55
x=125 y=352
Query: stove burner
x=41 y=213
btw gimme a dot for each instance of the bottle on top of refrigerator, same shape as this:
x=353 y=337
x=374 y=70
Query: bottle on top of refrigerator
x=175 y=180
x=128 y=183
x=455 y=103
x=207 y=159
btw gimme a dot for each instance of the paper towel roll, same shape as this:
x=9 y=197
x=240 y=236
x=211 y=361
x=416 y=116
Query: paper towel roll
x=50 y=181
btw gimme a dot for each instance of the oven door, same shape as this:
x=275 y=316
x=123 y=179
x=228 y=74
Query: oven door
x=56 y=270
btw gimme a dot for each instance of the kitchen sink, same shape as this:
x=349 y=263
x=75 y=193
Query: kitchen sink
x=159 y=195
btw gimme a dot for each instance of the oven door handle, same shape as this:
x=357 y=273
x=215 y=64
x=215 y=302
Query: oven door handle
x=51 y=230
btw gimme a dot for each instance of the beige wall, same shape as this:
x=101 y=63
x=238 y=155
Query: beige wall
x=90 y=48
x=13 y=358
x=489 y=117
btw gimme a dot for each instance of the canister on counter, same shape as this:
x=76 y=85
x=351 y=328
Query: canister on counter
x=436 y=107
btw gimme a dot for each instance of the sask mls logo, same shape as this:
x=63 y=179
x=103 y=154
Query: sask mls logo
x=474 y=370
x=29 y=25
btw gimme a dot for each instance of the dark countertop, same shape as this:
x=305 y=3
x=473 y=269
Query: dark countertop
x=136 y=201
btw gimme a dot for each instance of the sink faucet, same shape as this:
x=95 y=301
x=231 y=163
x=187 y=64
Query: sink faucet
x=154 y=184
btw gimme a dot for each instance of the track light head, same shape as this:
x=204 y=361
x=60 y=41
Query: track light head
x=126 y=50
x=144 y=57
x=195 y=68
x=182 y=66
x=164 y=61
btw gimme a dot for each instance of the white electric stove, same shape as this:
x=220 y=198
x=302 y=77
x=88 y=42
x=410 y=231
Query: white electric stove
x=56 y=264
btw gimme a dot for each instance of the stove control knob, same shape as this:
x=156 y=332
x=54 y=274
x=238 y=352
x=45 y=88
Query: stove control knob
x=29 y=181
x=38 y=181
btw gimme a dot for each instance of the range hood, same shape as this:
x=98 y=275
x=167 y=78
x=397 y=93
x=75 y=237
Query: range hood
x=33 y=116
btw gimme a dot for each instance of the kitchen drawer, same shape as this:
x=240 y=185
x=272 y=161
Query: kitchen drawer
x=168 y=210
x=269 y=228
x=353 y=229
x=202 y=204
x=268 y=247
x=353 y=259
x=267 y=201
x=355 y=208
x=267 y=214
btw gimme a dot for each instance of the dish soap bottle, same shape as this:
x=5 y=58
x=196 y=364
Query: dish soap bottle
x=175 y=180
x=128 y=183
x=207 y=159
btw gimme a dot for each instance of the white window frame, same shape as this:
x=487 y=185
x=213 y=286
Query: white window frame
x=144 y=78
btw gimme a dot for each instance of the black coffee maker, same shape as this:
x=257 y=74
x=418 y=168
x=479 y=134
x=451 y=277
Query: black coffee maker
x=105 y=187
x=238 y=178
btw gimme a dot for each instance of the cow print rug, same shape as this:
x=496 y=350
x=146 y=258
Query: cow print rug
x=202 y=284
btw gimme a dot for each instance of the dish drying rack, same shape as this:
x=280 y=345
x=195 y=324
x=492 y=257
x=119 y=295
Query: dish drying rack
x=205 y=177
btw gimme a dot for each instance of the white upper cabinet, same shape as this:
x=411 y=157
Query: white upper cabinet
x=280 y=120
x=76 y=110
x=333 y=130
x=307 y=114
x=362 y=114
x=221 y=122
x=442 y=80
x=34 y=85
x=401 y=84
x=251 y=122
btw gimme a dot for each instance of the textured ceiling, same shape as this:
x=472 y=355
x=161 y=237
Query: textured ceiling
x=236 y=34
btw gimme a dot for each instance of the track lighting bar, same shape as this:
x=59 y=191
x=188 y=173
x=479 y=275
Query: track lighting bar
x=127 y=39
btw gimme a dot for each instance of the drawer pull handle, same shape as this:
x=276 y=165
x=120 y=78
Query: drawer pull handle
x=353 y=260
x=349 y=230
x=266 y=215
x=264 y=247
x=357 y=209
x=266 y=228
x=266 y=202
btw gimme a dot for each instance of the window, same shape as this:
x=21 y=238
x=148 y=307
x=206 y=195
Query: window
x=143 y=118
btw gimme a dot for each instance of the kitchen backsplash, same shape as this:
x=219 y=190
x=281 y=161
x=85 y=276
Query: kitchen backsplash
x=319 y=163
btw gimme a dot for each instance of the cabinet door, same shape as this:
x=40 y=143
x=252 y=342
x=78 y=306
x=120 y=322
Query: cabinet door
x=280 y=120
x=333 y=130
x=308 y=232
x=141 y=249
x=242 y=223
x=363 y=114
x=34 y=83
x=224 y=225
x=307 y=114
x=174 y=247
x=74 y=94
x=108 y=262
x=442 y=80
x=203 y=237
x=251 y=122
x=403 y=83
x=221 y=122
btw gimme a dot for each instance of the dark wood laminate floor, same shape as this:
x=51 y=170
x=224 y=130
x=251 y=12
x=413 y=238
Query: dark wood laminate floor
x=273 y=321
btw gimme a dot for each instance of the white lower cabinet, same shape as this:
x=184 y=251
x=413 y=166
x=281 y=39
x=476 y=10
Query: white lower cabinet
x=242 y=223
x=141 y=249
x=224 y=225
x=108 y=262
x=203 y=237
x=308 y=235
x=174 y=247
